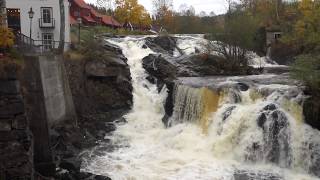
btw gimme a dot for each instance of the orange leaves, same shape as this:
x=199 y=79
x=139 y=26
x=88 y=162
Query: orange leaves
x=131 y=11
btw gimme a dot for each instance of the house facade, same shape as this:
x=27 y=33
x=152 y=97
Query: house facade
x=45 y=24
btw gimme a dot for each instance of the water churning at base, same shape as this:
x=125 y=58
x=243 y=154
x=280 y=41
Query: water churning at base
x=219 y=131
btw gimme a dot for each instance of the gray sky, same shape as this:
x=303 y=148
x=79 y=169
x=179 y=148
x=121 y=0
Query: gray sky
x=218 y=6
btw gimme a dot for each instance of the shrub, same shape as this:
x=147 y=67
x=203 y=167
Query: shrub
x=307 y=68
x=6 y=38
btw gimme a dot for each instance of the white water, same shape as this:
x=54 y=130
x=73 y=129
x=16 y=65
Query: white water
x=149 y=151
x=190 y=44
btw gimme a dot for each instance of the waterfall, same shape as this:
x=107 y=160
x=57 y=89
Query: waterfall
x=249 y=126
x=224 y=132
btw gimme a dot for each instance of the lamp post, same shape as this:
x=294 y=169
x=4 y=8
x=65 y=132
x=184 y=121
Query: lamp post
x=31 y=13
x=79 y=26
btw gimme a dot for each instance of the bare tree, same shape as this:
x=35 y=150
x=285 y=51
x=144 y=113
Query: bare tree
x=183 y=8
x=212 y=14
x=161 y=5
x=203 y=14
x=62 y=26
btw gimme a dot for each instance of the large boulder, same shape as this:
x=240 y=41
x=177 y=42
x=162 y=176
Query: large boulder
x=159 y=67
x=166 y=67
x=162 y=44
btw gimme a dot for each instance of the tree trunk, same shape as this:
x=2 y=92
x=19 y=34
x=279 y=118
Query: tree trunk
x=3 y=13
x=62 y=26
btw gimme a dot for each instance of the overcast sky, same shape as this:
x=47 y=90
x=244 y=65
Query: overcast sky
x=218 y=6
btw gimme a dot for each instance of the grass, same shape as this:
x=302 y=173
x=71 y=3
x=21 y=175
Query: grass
x=74 y=55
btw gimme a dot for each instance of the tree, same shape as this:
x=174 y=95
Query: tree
x=6 y=37
x=129 y=11
x=307 y=69
x=305 y=29
x=212 y=13
x=161 y=5
x=235 y=39
x=164 y=13
x=202 y=14
x=62 y=26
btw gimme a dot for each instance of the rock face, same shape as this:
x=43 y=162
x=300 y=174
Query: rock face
x=101 y=83
x=162 y=44
x=16 y=143
x=311 y=111
x=164 y=67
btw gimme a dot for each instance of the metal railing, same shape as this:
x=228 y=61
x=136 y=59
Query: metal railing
x=27 y=45
x=43 y=24
x=45 y=46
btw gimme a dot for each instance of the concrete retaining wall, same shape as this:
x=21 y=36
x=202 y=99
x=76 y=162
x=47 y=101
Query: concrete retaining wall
x=57 y=96
x=49 y=101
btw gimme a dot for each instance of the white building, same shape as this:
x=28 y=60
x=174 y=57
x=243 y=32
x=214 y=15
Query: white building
x=45 y=24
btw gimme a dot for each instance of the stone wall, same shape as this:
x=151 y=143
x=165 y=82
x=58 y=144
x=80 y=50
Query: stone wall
x=16 y=144
x=48 y=103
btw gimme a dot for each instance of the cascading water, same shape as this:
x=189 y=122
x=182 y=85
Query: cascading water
x=221 y=131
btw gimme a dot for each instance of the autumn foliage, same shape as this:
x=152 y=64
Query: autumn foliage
x=129 y=11
x=6 y=37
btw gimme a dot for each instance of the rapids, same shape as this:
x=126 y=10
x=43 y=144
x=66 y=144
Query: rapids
x=222 y=128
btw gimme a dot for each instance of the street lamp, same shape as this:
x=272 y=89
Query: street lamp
x=31 y=13
x=79 y=25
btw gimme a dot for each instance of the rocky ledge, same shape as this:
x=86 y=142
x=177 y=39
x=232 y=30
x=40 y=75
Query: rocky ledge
x=100 y=84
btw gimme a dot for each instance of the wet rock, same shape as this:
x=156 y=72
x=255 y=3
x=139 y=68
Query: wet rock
x=251 y=175
x=261 y=120
x=311 y=111
x=270 y=107
x=228 y=112
x=314 y=150
x=243 y=86
x=158 y=67
x=162 y=44
x=71 y=164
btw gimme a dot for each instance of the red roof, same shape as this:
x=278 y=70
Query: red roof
x=89 y=19
x=81 y=4
x=108 y=20
x=73 y=21
x=94 y=12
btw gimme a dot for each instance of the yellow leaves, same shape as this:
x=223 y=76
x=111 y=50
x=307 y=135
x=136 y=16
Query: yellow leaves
x=300 y=29
x=131 y=11
x=6 y=37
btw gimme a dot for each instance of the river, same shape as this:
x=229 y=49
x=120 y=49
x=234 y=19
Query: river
x=219 y=130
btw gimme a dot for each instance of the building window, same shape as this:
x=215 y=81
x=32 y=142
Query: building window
x=277 y=36
x=47 y=41
x=46 y=14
